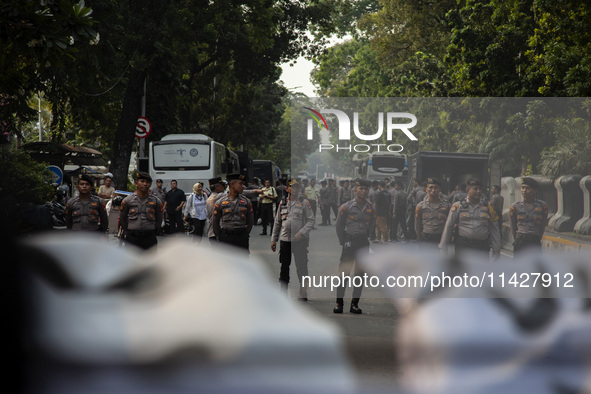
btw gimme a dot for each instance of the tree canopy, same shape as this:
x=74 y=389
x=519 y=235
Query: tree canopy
x=472 y=48
x=209 y=67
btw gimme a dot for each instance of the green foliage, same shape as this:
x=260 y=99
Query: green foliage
x=474 y=48
x=37 y=39
x=23 y=179
x=570 y=155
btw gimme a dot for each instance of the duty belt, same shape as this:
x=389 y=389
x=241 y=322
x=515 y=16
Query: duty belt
x=233 y=231
x=529 y=237
x=141 y=232
x=434 y=237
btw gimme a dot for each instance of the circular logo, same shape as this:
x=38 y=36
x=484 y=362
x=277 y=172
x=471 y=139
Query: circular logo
x=194 y=152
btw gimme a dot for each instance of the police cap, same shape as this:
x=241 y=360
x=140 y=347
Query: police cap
x=215 y=181
x=295 y=183
x=433 y=181
x=531 y=182
x=239 y=177
x=143 y=175
x=362 y=183
x=84 y=177
x=323 y=182
x=473 y=182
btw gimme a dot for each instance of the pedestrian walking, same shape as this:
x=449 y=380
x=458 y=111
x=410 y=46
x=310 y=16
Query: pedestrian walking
x=174 y=201
x=293 y=222
x=195 y=212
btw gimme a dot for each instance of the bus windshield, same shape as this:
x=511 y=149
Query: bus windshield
x=193 y=156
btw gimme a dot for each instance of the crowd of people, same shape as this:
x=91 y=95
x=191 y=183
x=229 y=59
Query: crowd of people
x=364 y=212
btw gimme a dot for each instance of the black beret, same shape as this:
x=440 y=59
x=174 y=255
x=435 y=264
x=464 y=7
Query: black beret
x=240 y=177
x=362 y=183
x=473 y=182
x=215 y=181
x=323 y=182
x=433 y=181
x=531 y=182
x=143 y=175
x=84 y=177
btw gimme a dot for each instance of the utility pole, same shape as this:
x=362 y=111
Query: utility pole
x=40 y=127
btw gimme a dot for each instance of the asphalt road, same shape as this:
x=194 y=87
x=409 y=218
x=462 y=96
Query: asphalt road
x=368 y=338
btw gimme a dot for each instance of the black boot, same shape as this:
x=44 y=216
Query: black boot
x=339 y=307
x=355 y=306
x=264 y=231
x=283 y=286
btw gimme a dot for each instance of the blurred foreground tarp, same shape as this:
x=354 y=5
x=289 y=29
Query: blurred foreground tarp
x=489 y=339
x=179 y=319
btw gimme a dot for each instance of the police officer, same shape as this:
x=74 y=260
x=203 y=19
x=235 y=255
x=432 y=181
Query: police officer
x=86 y=212
x=158 y=191
x=141 y=214
x=474 y=221
x=217 y=187
x=528 y=217
x=233 y=215
x=266 y=201
x=498 y=201
x=355 y=220
x=293 y=222
x=431 y=214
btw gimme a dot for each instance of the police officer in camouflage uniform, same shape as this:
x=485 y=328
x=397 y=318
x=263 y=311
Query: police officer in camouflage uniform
x=431 y=214
x=86 y=212
x=355 y=220
x=473 y=223
x=293 y=222
x=233 y=215
x=141 y=214
x=528 y=217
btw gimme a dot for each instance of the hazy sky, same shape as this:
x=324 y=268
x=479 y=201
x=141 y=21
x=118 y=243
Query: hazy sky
x=297 y=78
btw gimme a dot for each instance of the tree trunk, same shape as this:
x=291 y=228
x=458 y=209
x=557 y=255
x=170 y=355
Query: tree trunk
x=124 y=139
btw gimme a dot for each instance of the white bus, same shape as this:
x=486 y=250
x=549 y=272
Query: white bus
x=379 y=165
x=190 y=158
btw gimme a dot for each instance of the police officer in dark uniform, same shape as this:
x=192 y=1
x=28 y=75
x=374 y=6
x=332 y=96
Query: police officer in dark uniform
x=528 y=217
x=355 y=220
x=233 y=215
x=141 y=214
x=86 y=212
x=473 y=223
x=293 y=222
x=431 y=214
